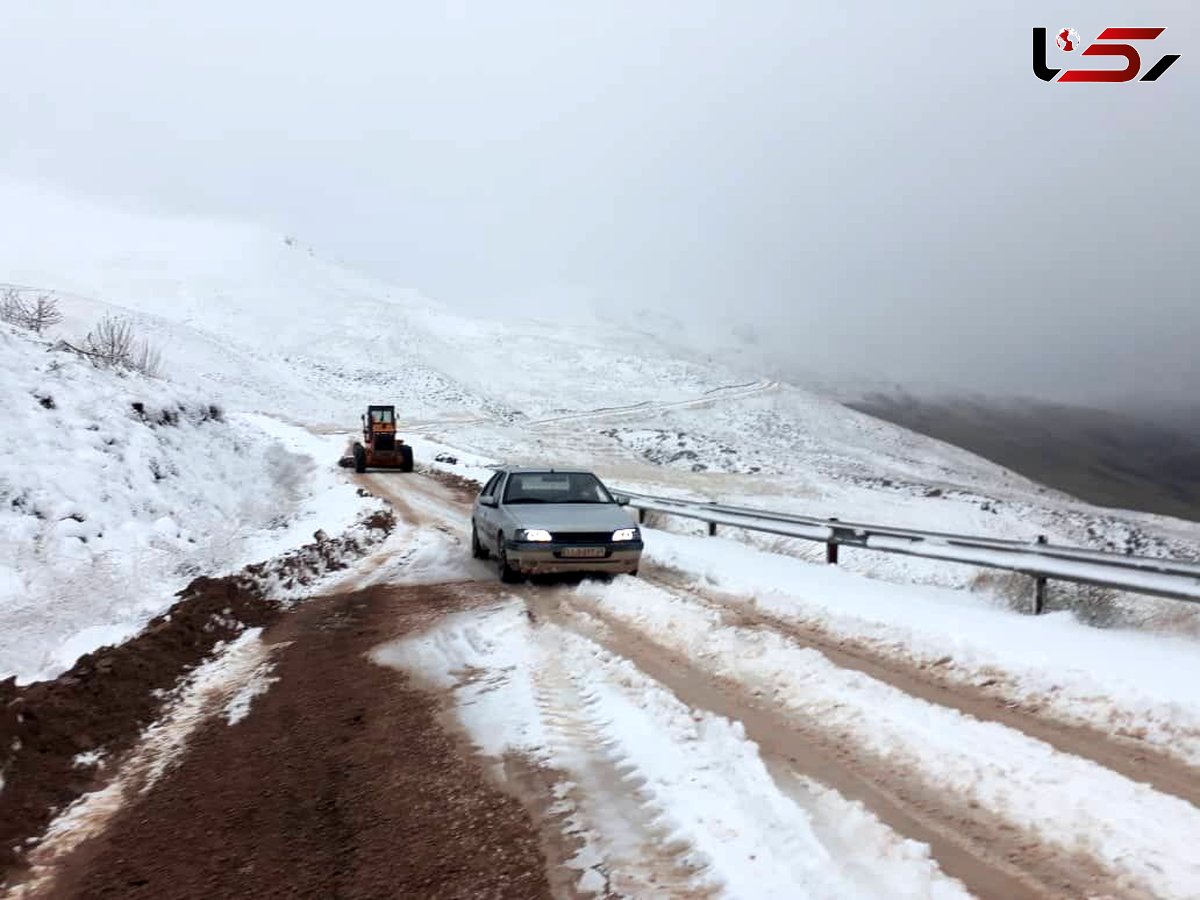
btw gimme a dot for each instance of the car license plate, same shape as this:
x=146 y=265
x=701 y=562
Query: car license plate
x=583 y=552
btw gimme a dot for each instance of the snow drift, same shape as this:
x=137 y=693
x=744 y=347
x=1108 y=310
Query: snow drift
x=115 y=490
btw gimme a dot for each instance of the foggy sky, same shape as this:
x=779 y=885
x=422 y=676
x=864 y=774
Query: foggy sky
x=877 y=190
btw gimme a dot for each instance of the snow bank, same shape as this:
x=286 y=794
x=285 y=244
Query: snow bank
x=1146 y=836
x=115 y=491
x=1116 y=680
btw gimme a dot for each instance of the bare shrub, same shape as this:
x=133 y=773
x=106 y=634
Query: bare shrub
x=1011 y=590
x=1093 y=605
x=44 y=313
x=785 y=546
x=36 y=314
x=113 y=342
x=12 y=308
x=146 y=358
x=654 y=519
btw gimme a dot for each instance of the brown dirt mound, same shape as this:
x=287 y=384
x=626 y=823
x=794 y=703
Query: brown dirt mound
x=105 y=700
x=465 y=489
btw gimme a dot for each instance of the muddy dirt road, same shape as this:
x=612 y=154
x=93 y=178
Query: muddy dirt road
x=339 y=783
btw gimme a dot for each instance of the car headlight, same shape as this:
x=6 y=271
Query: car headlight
x=534 y=534
x=625 y=534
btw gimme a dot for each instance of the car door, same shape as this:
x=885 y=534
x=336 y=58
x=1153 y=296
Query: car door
x=485 y=520
x=496 y=513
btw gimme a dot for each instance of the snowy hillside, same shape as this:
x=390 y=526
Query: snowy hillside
x=116 y=490
x=276 y=327
x=266 y=325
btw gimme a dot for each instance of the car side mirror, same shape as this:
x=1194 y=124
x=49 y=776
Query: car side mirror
x=488 y=501
x=622 y=501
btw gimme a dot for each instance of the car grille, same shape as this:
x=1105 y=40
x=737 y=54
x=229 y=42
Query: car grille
x=583 y=537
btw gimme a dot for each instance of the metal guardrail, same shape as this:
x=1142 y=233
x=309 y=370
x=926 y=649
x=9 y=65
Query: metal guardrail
x=1172 y=578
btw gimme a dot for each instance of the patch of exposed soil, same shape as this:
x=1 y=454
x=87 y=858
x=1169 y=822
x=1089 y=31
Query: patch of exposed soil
x=105 y=700
x=465 y=490
x=339 y=783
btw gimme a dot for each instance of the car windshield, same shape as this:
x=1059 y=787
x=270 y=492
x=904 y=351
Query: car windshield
x=555 y=487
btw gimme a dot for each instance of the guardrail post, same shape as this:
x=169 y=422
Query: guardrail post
x=641 y=516
x=831 y=550
x=712 y=529
x=1039 y=587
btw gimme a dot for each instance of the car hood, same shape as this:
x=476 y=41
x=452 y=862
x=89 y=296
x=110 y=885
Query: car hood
x=570 y=516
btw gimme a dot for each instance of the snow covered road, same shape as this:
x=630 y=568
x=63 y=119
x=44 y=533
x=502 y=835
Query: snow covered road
x=659 y=736
x=656 y=795
x=926 y=787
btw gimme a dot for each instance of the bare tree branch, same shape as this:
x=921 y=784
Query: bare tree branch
x=13 y=309
x=45 y=313
x=37 y=315
x=146 y=359
x=114 y=343
x=110 y=342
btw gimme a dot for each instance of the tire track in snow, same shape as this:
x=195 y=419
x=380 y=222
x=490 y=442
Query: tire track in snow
x=536 y=725
x=621 y=826
x=1136 y=762
x=831 y=847
x=433 y=535
x=991 y=856
x=633 y=792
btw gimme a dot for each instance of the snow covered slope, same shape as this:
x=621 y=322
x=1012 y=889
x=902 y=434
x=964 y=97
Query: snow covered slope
x=116 y=490
x=267 y=325
x=309 y=338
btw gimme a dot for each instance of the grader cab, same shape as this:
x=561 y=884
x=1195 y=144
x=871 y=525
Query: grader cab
x=380 y=447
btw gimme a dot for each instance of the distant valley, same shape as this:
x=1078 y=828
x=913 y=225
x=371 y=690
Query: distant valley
x=1106 y=458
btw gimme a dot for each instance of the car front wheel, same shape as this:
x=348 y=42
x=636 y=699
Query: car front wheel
x=508 y=574
x=478 y=551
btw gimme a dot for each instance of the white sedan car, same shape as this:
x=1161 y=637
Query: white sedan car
x=541 y=521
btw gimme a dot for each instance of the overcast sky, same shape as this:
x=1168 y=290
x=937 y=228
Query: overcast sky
x=879 y=190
